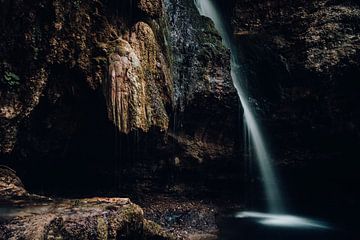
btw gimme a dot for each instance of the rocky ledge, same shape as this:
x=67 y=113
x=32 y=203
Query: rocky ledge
x=26 y=216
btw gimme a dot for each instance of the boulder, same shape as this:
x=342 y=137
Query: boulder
x=36 y=217
x=10 y=184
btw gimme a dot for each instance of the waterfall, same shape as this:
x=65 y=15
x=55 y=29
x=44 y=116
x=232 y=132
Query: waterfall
x=252 y=132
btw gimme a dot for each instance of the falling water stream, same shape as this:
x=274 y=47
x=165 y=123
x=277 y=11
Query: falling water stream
x=252 y=130
x=275 y=204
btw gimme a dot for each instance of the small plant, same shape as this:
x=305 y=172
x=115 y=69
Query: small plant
x=11 y=79
x=77 y=4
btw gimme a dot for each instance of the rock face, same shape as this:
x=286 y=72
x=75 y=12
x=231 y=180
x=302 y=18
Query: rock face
x=93 y=76
x=153 y=8
x=71 y=42
x=302 y=63
x=10 y=184
x=26 y=216
x=74 y=74
x=299 y=56
x=95 y=218
x=135 y=97
x=206 y=103
x=324 y=31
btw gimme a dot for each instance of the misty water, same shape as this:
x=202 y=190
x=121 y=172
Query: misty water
x=252 y=129
x=277 y=217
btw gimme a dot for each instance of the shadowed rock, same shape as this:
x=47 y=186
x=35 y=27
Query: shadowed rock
x=10 y=184
x=153 y=8
x=35 y=217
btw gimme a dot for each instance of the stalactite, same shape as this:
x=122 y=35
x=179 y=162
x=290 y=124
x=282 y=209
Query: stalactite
x=134 y=98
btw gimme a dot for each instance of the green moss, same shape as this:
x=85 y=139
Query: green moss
x=155 y=231
x=102 y=229
x=101 y=60
x=77 y=4
x=11 y=79
x=76 y=202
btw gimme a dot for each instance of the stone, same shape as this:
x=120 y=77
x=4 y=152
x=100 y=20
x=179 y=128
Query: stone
x=152 y=8
x=205 y=99
x=203 y=237
x=31 y=217
x=94 y=218
x=130 y=85
x=299 y=56
x=10 y=184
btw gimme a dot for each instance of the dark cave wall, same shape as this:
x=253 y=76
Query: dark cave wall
x=302 y=60
x=77 y=37
x=53 y=119
x=302 y=64
x=54 y=124
x=207 y=109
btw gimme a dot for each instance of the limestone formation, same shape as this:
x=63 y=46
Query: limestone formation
x=151 y=7
x=119 y=90
x=134 y=89
x=158 y=81
x=125 y=90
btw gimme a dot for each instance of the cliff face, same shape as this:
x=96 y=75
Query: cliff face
x=156 y=76
x=303 y=63
x=207 y=108
x=75 y=74
x=58 y=50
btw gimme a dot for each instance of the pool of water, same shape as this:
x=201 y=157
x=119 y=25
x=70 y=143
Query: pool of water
x=264 y=226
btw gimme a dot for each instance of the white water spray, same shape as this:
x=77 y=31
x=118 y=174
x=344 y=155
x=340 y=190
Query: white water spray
x=281 y=220
x=253 y=139
x=252 y=129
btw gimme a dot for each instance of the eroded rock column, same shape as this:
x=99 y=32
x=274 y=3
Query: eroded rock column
x=134 y=88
